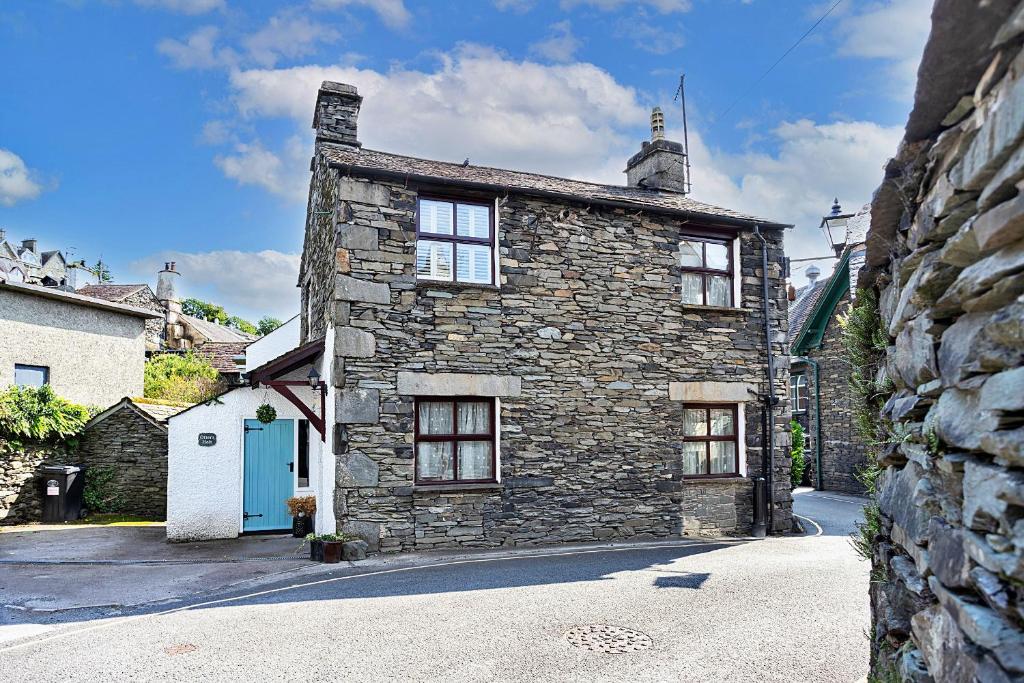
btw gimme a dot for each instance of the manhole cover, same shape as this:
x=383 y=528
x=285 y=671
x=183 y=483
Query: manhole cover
x=180 y=649
x=614 y=640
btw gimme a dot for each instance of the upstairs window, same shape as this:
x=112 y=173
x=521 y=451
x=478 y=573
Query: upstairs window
x=455 y=242
x=798 y=393
x=707 y=271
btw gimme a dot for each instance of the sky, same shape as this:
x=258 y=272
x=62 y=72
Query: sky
x=142 y=131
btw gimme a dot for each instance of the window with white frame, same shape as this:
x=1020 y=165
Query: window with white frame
x=707 y=271
x=455 y=242
x=798 y=393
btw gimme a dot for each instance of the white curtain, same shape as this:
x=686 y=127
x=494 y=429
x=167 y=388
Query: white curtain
x=434 y=460
x=475 y=418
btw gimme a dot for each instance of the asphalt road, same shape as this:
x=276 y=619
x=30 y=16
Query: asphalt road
x=782 y=609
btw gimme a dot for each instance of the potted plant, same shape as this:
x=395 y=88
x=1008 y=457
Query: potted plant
x=326 y=547
x=302 y=509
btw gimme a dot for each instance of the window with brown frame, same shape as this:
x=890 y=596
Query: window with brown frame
x=798 y=392
x=710 y=444
x=707 y=271
x=454 y=242
x=455 y=440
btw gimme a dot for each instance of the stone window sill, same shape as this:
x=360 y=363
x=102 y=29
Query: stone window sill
x=705 y=481
x=715 y=309
x=445 y=286
x=456 y=488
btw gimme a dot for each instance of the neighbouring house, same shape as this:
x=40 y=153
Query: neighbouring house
x=819 y=387
x=945 y=262
x=176 y=331
x=25 y=263
x=89 y=350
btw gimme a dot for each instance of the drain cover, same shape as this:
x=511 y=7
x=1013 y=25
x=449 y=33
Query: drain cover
x=615 y=640
x=180 y=649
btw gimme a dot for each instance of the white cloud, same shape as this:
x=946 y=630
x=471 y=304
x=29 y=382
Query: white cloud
x=518 y=6
x=663 y=6
x=560 y=119
x=184 y=6
x=198 y=50
x=559 y=46
x=814 y=164
x=649 y=37
x=893 y=30
x=392 y=12
x=286 y=36
x=17 y=182
x=246 y=283
x=285 y=174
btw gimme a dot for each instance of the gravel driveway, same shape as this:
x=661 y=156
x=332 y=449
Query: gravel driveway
x=783 y=609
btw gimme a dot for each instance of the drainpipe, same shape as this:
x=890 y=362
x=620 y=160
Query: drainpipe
x=770 y=399
x=817 y=418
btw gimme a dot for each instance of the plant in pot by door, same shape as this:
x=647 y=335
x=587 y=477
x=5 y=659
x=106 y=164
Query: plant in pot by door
x=326 y=547
x=302 y=509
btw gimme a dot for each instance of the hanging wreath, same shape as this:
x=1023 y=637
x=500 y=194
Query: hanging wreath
x=266 y=413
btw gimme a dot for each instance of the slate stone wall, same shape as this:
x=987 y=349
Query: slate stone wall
x=588 y=316
x=316 y=273
x=21 y=485
x=136 y=450
x=946 y=254
x=843 y=452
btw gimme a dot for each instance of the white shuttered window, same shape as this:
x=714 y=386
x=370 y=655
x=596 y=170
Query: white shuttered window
x=455 y=242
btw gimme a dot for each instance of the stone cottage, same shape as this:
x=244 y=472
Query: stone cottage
x=515 y=358
x=819 y=379
x=25 y=263
x=945 y=257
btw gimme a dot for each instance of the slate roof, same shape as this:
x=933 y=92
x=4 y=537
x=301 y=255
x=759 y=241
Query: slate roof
x=800 y=310
x=159 y=411
x=157 y=414
x=222 y=355
x=370 y=161
x=217 y=333
x=110 y=292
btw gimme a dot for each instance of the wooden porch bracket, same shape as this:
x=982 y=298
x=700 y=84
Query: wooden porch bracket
x=283 y=387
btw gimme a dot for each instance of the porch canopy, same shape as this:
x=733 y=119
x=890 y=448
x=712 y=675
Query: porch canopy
x=269 y=375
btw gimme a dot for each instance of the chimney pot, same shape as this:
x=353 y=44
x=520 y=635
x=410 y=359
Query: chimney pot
x=812 y=273
x=660 y=164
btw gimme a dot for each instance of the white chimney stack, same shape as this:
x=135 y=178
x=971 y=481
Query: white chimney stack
x=812 y=274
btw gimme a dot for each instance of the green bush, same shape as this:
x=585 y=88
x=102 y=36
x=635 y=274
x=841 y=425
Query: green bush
x=799 y=464
x=187 y=378
x=100 y=493
x=38 y=414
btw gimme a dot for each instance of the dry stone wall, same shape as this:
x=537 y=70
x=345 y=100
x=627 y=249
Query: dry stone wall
x=588 y=317
x=946 y=255
x=21 y=484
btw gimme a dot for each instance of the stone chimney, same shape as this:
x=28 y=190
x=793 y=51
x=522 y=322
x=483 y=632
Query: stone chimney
x=166 y=293
x=812 y=274
x=31 y=244
x=660 y=164
x=337 y=109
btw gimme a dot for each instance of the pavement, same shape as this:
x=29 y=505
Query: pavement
x=791 y=608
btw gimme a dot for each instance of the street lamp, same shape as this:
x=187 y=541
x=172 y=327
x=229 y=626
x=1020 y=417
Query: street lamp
x=314 y=378
x=835 y=223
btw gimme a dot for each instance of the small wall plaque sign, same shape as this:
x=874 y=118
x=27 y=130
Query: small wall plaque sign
x=207 y=439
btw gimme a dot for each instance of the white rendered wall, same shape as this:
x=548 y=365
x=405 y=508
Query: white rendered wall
x=204 y=484
x=269 y=347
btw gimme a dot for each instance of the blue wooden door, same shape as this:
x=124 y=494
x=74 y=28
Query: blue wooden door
x=267 y=480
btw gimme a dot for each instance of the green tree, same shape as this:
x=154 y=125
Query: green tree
x=266 y=325
x=183 y=378
x=99 y=270
x=241 y=324
x=799 y=464
x=197 y=308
